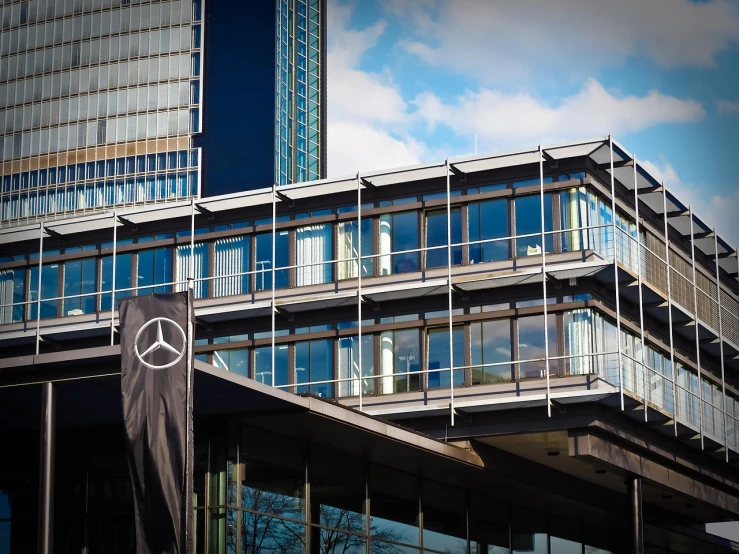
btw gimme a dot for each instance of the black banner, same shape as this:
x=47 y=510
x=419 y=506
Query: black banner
x=156 y=379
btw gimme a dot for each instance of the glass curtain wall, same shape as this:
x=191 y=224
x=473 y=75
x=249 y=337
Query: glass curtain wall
x=80 y=86
x=268 y=491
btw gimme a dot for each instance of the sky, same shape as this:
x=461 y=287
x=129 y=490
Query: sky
x=415 y=81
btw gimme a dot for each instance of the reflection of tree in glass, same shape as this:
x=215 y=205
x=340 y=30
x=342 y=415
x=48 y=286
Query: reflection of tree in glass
x=335 y=542
x=266 y=534
x=262 y=533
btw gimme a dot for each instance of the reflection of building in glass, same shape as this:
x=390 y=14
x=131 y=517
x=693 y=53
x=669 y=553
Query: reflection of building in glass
x=125 y=103
x=571 y=349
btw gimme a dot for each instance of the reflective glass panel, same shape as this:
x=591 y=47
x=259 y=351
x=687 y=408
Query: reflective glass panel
x=438 y=356
x=490 y=343
x=263 y=364
x=400 y=354
x=528 y=221
x=436 y=235
x=264 y=260
x=489 y=220
x=531 y=345
x=314 y=361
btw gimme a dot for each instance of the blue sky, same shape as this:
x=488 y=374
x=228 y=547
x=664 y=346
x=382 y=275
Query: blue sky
x=412 y=81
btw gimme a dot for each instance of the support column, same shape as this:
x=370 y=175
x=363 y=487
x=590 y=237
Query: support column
x=636 y=517
x=46 y=469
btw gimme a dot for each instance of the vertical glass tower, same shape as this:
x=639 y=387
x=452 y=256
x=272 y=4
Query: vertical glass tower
x=124 y=102
x=299 y=96
x=98 y=103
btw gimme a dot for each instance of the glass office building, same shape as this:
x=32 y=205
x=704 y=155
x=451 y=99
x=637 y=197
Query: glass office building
x=561 y=321
x=106 y=103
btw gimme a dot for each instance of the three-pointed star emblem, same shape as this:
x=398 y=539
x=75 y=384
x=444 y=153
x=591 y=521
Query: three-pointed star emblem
x=160 y=343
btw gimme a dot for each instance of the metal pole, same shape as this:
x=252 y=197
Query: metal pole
x=697 y=331
x=191 y=267
x=639 y=283
x=189 y=452
x=636 y=516
x=615 y=275
x=272 y=304
x=669 y=303
x=46 y=470
x=359 y=285
x=449 y=289
x=544 y=280
x=112 y=287
x=721 y=344
x=38 y=288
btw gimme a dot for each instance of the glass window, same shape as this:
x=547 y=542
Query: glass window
x=351 y=372
x=272 y=485
x=578 y=342
x=490 y=343
x=154 y=268
x=12 y=290
x=231 y=258
x=489 y=220
x=394 y=510
x=528 y=222
x=122 y=278
x=444 y=518
x=49 y=284
x=348 y=241
x=263 y=365
x=313 y=246
x=398 y=233
x=264 y=260
x=340 y=498
x=531 y=345
x=198 y=271
x=574 y=215
x=400 y=361
x=438 y=356
x=234 y=360
x=314 y=361
x=436 y=235
x=79 y=278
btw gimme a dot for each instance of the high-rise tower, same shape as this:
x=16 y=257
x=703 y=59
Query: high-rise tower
x=125 y=102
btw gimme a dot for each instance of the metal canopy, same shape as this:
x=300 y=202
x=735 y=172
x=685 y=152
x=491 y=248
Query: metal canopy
x=313 y=189
x=318 y=302
x=150 y=214
x=519 y=278
x=99 y=222
x=406 y=174
x=408 y=290
x=596 y=149
x=573 y=151
x=496 y=162
x=20 y=234
x=236 y=200
x=230 y=312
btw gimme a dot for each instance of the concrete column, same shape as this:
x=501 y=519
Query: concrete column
x=46 y=469
x=636 y=517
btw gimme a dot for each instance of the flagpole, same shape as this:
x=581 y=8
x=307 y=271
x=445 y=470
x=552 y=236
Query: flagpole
x=189 y=450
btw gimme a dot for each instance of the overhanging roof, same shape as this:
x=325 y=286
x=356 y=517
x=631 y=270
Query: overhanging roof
x=597 y=149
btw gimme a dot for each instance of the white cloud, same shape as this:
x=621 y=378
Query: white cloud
x=727 y=107
x=367 y=115
x=502 y=120
x=718 y=210
x=356 y=146
x=509 y=40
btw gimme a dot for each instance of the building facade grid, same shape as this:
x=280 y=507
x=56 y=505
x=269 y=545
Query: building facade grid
x=465 y=245
x=98 y=101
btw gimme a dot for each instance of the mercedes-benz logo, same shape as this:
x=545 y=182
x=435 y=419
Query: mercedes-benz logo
x=159 y=343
